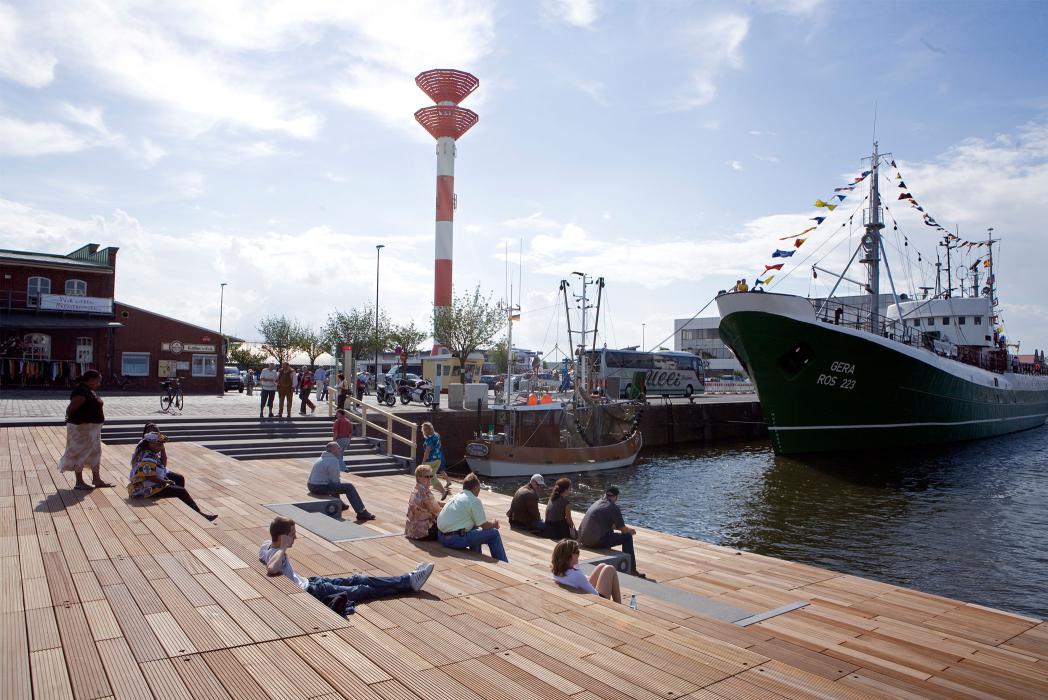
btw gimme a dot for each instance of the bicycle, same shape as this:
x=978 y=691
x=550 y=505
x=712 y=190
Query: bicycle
x=171 y=395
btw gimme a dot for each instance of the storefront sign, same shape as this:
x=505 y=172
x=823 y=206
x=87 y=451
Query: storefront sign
x=177 y=347
x=87 y=305
x=167 y=368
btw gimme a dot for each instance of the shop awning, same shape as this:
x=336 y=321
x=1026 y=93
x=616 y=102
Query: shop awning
x=43 y=322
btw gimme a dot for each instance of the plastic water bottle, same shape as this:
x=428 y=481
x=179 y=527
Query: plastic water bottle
x=633 y=601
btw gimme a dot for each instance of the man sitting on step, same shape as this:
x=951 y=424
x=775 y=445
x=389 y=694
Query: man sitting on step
x=340 y=593
x=324 y=480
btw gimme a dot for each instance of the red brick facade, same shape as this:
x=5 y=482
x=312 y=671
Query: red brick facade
x=47 y=341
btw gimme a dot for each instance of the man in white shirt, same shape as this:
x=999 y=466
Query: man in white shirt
x=357 y=588
x=267 y=381
x=462 y=523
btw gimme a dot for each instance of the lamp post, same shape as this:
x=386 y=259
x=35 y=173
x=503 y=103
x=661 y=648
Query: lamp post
x=221 y=370
x=378 y=258
x=642 y=343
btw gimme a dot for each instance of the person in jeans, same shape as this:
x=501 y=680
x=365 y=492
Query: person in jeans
x=321 y=379
x=357 y=587
x=324 y=479
x=463 y=525
x=342 y=433
x=285 y=388
x=305 y=388
x=267 y=382
x=599 y=525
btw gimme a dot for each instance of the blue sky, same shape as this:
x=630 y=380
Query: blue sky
x=665 y=146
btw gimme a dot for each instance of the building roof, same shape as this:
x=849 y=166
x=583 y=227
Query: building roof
x=229 y=337
x=79 y=258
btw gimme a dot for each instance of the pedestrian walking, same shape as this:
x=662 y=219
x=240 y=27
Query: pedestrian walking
x=249 y=382
x=285 y=388
x=267 y=380
x=321 y=378
x=305 y=388
x=84 y=419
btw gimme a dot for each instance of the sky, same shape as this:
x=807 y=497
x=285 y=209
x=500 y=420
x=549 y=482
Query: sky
x=664 y=146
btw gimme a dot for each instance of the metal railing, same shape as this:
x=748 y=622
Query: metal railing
x=358 y=411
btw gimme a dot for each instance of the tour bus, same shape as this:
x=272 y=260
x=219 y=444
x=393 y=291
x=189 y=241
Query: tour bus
x=666 y=373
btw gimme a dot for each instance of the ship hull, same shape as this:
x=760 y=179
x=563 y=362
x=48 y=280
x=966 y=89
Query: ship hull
x=827 y=388
x=498 y=459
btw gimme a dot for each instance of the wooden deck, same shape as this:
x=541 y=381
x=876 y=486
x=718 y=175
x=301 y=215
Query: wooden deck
x=104 y=598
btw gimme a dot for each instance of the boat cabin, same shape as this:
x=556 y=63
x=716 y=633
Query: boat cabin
x=531 y=426
x=954 y=321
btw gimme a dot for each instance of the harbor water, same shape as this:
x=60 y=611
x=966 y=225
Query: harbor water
x=966 y=521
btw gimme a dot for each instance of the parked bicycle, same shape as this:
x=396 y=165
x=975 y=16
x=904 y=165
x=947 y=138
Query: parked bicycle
x=170 y=395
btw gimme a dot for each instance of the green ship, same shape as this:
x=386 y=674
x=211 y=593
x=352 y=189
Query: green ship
x=836 y=378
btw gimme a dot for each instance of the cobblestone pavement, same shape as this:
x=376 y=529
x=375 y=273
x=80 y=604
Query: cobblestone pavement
x=43 y=404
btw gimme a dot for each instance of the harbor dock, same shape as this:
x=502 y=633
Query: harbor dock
x=104 y=597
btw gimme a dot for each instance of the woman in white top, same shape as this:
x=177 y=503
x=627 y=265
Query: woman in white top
x=604 y=581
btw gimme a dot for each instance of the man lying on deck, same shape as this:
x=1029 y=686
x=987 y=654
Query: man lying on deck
x=353 y=589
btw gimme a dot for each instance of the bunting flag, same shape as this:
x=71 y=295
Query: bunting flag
x=975 y=264
x=986 y=263
x=820 y=203
x=773 y=267
x=799 y=242
x=905 y=195
x=841 y=197
x=849 y=188
x=990 y=279
x=898 y=176
x=893 y=164
x=951 y=237
x=783 y=253
x=902 y=184
x=818 y=219
x=763 y=281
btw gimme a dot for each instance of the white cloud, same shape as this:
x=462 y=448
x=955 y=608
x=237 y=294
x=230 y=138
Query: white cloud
x=766 y=159
x=188 y=185
x=22 y=138
x=577 y=13
x=715 y=44
x=595 y=90
x=28 y=66
x=734 y=165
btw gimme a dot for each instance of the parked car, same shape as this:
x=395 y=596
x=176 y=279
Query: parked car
x=233 y=379
x=490 y=379
x=410 y=378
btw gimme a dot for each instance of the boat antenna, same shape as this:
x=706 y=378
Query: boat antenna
x=871 y=243
x=874 y=121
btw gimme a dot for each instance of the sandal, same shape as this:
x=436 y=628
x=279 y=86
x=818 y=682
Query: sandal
x=84 y=487
x=101 y=485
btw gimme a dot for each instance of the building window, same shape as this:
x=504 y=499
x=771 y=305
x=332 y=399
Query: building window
x=205 y=365
x=85 y=349
x=134 y=364
x=76 y=288
x=961 y=320
x=945 y=320
x=916 y=322
x=36 y=346
x=36 y=287
x=930 y=321
x=977 y=320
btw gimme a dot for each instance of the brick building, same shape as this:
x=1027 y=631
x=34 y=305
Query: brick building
x=58 y=318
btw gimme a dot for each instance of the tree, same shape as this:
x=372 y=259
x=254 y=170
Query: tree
x=311 y=342
x=356 y=327
x=278 y=336
x=499 y=354
x=469 y=323
x=409 y=337
x=245 y=357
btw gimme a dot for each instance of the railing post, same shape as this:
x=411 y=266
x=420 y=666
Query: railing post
x=389 y=434
x=363 y=420
x=414 y=441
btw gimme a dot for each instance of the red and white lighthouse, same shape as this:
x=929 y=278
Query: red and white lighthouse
x=445 y=122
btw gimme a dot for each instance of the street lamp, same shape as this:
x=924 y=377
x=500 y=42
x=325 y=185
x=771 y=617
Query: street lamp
x=221 y=371
x=642 y=343
x=378 y=258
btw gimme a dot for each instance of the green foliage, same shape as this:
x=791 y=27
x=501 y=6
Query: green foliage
x=499 y=354
x=311 y=342
x=356 y=327
x=471 y=322
x=278 y=337
x=409 y=337
x=245 y=357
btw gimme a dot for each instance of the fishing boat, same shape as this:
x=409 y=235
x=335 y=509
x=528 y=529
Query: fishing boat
x=833 y=377
x=573 y=433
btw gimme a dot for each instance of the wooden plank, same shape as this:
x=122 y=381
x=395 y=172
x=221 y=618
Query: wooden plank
x=164 y=681
x=133 y=624
x=50 y=678
x=198 y=677
x=125 y=676
x=87 y=676
x=328 y=667
x=14 y=656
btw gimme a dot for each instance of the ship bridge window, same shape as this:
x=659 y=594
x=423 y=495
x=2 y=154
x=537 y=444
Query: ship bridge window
x=796 y=358
x=929 y=321
x=961 y=320
x=916 y=322
x=945 y=320
x=977 y=320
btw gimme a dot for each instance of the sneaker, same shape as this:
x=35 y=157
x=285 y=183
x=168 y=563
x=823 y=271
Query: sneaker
x=364 y=515
x=345 y=506
x=420 y=575
x=211 y=517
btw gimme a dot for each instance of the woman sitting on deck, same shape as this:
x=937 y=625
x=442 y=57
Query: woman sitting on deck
x=423 y=509
x=559 y=524
x=150 y=477
x=604 y=581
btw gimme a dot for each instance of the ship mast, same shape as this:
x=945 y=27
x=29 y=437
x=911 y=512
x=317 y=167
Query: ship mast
x=871 y=243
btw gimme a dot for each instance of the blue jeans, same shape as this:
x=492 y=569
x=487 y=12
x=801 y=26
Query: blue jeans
x=613 y=539
x=473 y=539
x=359 y=586
x=349 y=490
